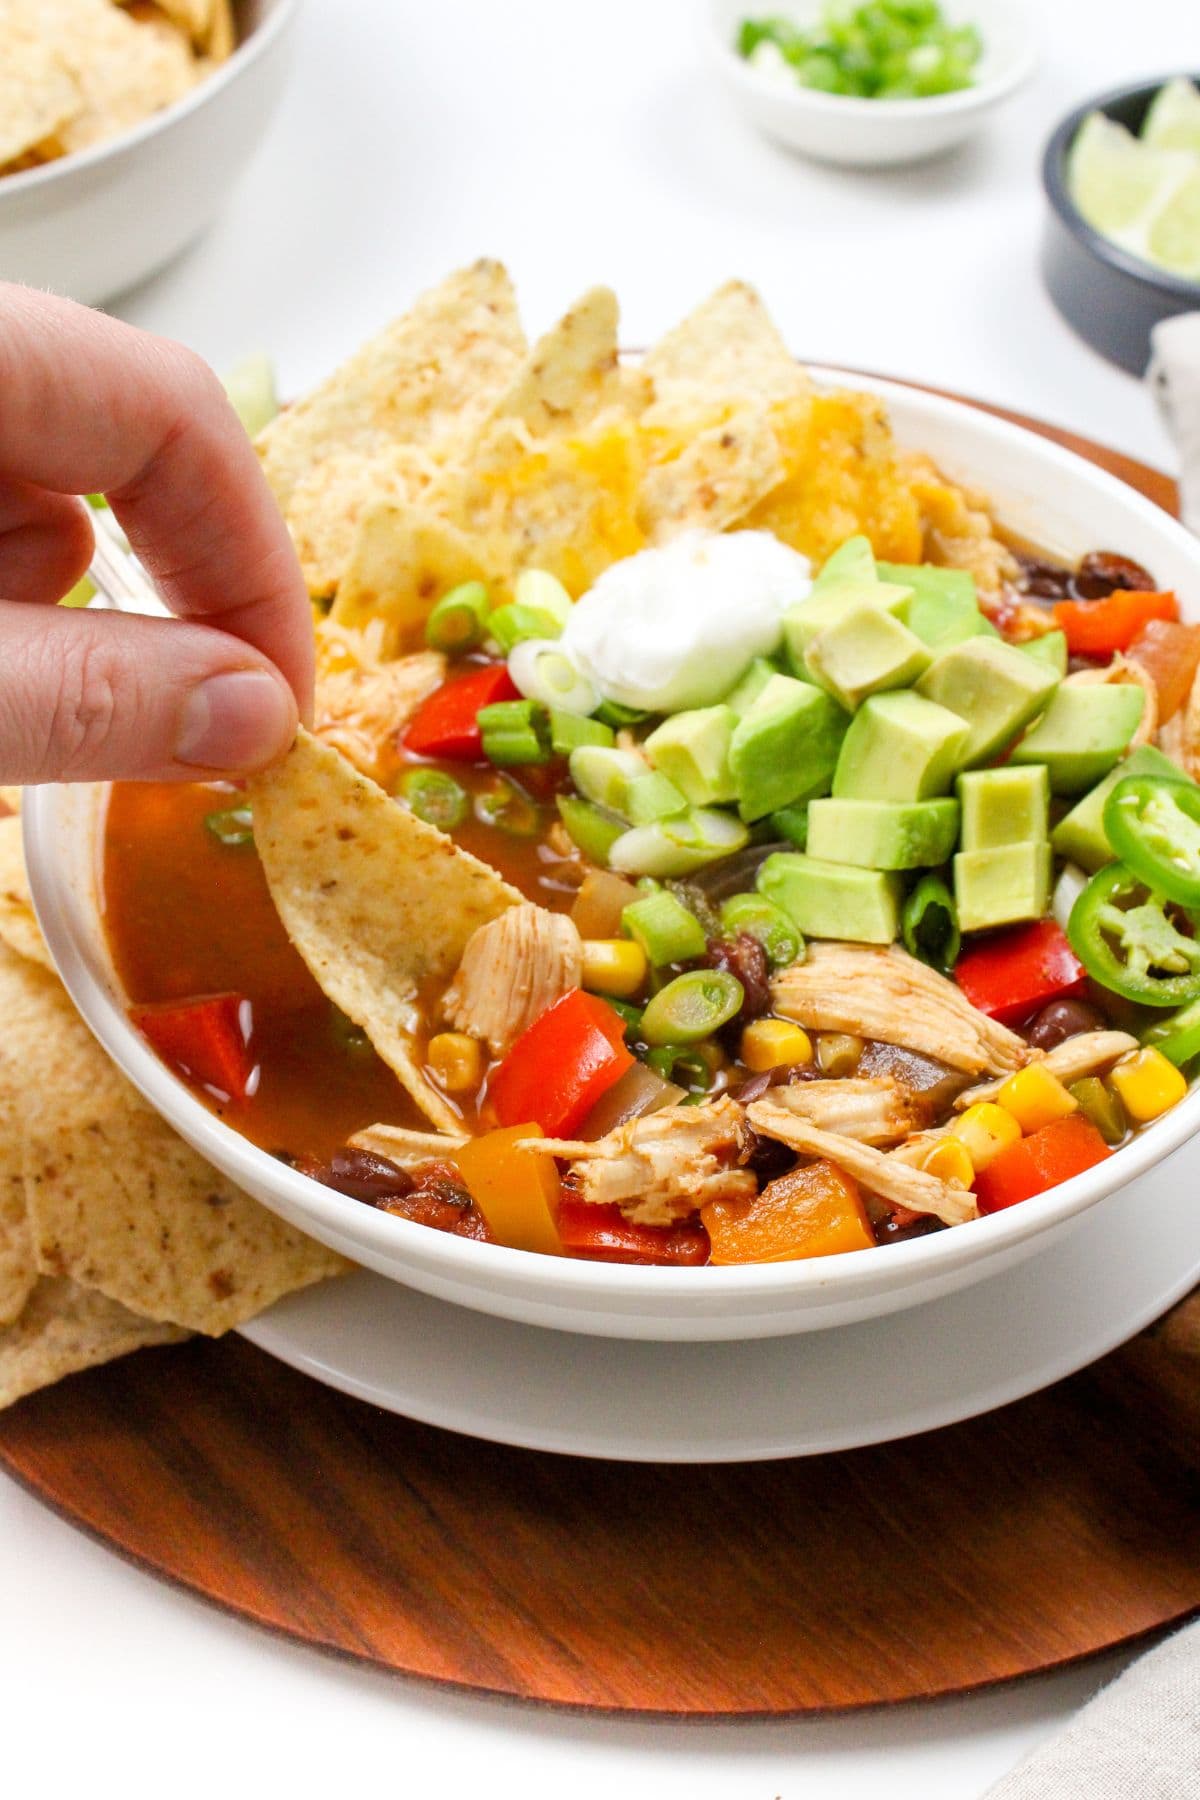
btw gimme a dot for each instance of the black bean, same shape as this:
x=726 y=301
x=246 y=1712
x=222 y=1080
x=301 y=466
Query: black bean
x=1063 y=1019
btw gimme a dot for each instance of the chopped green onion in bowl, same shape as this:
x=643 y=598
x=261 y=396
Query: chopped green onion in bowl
x=887 y=50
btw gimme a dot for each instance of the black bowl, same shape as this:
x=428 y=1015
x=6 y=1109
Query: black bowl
x=1112 y=299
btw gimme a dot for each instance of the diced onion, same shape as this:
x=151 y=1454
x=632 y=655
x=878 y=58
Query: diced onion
x=1067 y=890
x=541 y=672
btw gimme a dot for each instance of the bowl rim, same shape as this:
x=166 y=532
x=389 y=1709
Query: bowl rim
x=556 y=1280
x=246 y=52
x=1058 y=193
x=930 y=106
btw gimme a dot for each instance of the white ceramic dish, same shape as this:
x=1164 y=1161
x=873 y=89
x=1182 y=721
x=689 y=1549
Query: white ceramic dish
x=834 y=1390
x=91 y=225
x=1042 y=492
x=872 y=133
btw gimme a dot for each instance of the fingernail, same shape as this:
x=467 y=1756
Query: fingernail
x=239 y=720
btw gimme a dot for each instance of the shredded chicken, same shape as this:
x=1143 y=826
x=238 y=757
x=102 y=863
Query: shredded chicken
x=407 y=1148
x=1179 y=738
x=1071 y=1060
x=873 y=1111
x=889 y=995
x=1123 y=671
x=894 y=1179
x=359 y=711
x=662 y=1167
x=511 y=970
x=916 y=1148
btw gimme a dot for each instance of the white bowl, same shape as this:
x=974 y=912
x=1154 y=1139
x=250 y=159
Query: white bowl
x=1043 y=493
x=91 y=225
x=872 y=133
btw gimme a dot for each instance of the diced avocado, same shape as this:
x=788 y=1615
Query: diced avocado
x=993 y=687
x=943 y=608
x=786 y=747
x=864 y=652
x=852 y=561
x=1004 y=806
x=1050 y=648
x=652 y=796
x=876 y=834
x=899 y=747
x=834 y=900
x=1079 y=836
x=692 y=750
x=999 y=887
x=846 y=583
x=569 y=732
x=743 y=696
x=1082 y=733
x=603 y=774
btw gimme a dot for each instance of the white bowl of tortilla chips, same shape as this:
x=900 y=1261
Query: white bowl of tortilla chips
x=425 y=459
x=122 y=130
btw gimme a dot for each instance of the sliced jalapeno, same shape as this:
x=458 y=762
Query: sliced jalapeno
x=1135 y=941
x=930 y=924
x=1154 y=826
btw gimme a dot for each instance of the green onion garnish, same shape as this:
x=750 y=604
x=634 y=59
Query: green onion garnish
x=692 y=1007
x=435 y=797
x=459 y=620
x=234 y=828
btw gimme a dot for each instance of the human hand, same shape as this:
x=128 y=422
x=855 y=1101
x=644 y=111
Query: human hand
x=89 y=405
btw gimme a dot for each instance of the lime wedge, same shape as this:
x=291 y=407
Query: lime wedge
x=1173 y=122
x=1173 y=234
x=1119 y=183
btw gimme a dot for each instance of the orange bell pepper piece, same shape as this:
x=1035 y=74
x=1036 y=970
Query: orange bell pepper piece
x=516 y=1190
x=1098 y=627
x=1052 y=1154
x=816 y=1210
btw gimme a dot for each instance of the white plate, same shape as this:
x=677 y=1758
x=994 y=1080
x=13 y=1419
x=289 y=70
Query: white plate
x=1123 y=1265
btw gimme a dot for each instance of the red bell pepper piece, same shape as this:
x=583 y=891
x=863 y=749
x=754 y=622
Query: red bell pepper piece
x=1040 y=1161
x=603 y=1234
x=561 y=1064
x=1015 y=973
x=207 y=1040
x=1098 y=627
x=446 y=725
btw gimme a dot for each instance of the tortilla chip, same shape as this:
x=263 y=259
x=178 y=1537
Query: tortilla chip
x=404 y=559
x=359 y=711
x=193 y=17
x=19 y=928
x=39 y=95
x=426 y=380
x=725 y=356
x=376 y=901
x=330 y=501
x=715 y=481
x=64 y=1329
x=569 y=378
x=125 y=70
x=11 y=798
x=222 y=32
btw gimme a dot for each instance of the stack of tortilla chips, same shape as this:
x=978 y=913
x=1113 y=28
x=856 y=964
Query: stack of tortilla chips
x=74 y=73
x=114 y=1234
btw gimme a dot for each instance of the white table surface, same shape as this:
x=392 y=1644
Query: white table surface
x=580 y=143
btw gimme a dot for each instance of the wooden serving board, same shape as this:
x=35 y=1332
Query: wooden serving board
x=1054 y=1529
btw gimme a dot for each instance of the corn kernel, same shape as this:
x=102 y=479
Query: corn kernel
x=768 y=1043
x=1148 y=1084
x=1035 y=1098
x=950 y=1160
x=984 y=1131
x=455 y=1061
x=838 y=1053
x=615 y=966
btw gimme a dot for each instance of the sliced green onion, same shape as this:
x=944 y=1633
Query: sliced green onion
x=760 y=918
x=929 y=923
x=603 y=775
x=569 y=732
x=692 y=1007
x=544 y=593
x=611 y=712
x=673 y=847
x=652 y=796
x=510 y=625
x=1099 y=1104
x=791 y=824
x=347 y=1035
x=234 y=828
x=435 y=797
x=541 y=672
x=665 y=929
x=1178 y=1037
x=506 y=807
x=459 y=620
x=588 y=826
x=514 y=731
x=631 y=1016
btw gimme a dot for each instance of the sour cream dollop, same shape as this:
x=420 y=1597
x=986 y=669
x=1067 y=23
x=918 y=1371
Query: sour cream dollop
x=676 y=627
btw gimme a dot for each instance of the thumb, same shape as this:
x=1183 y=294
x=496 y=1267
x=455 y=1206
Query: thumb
x=96 y=696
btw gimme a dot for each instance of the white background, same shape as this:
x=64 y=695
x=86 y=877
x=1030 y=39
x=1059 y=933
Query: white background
x=579 y=143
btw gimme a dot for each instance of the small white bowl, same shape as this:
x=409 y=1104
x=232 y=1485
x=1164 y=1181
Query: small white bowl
x=839 y=128
x=1045 y=495
x=93 y=224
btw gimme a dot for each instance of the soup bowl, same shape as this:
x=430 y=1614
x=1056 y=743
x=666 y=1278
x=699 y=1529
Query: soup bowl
x=1040 y=492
